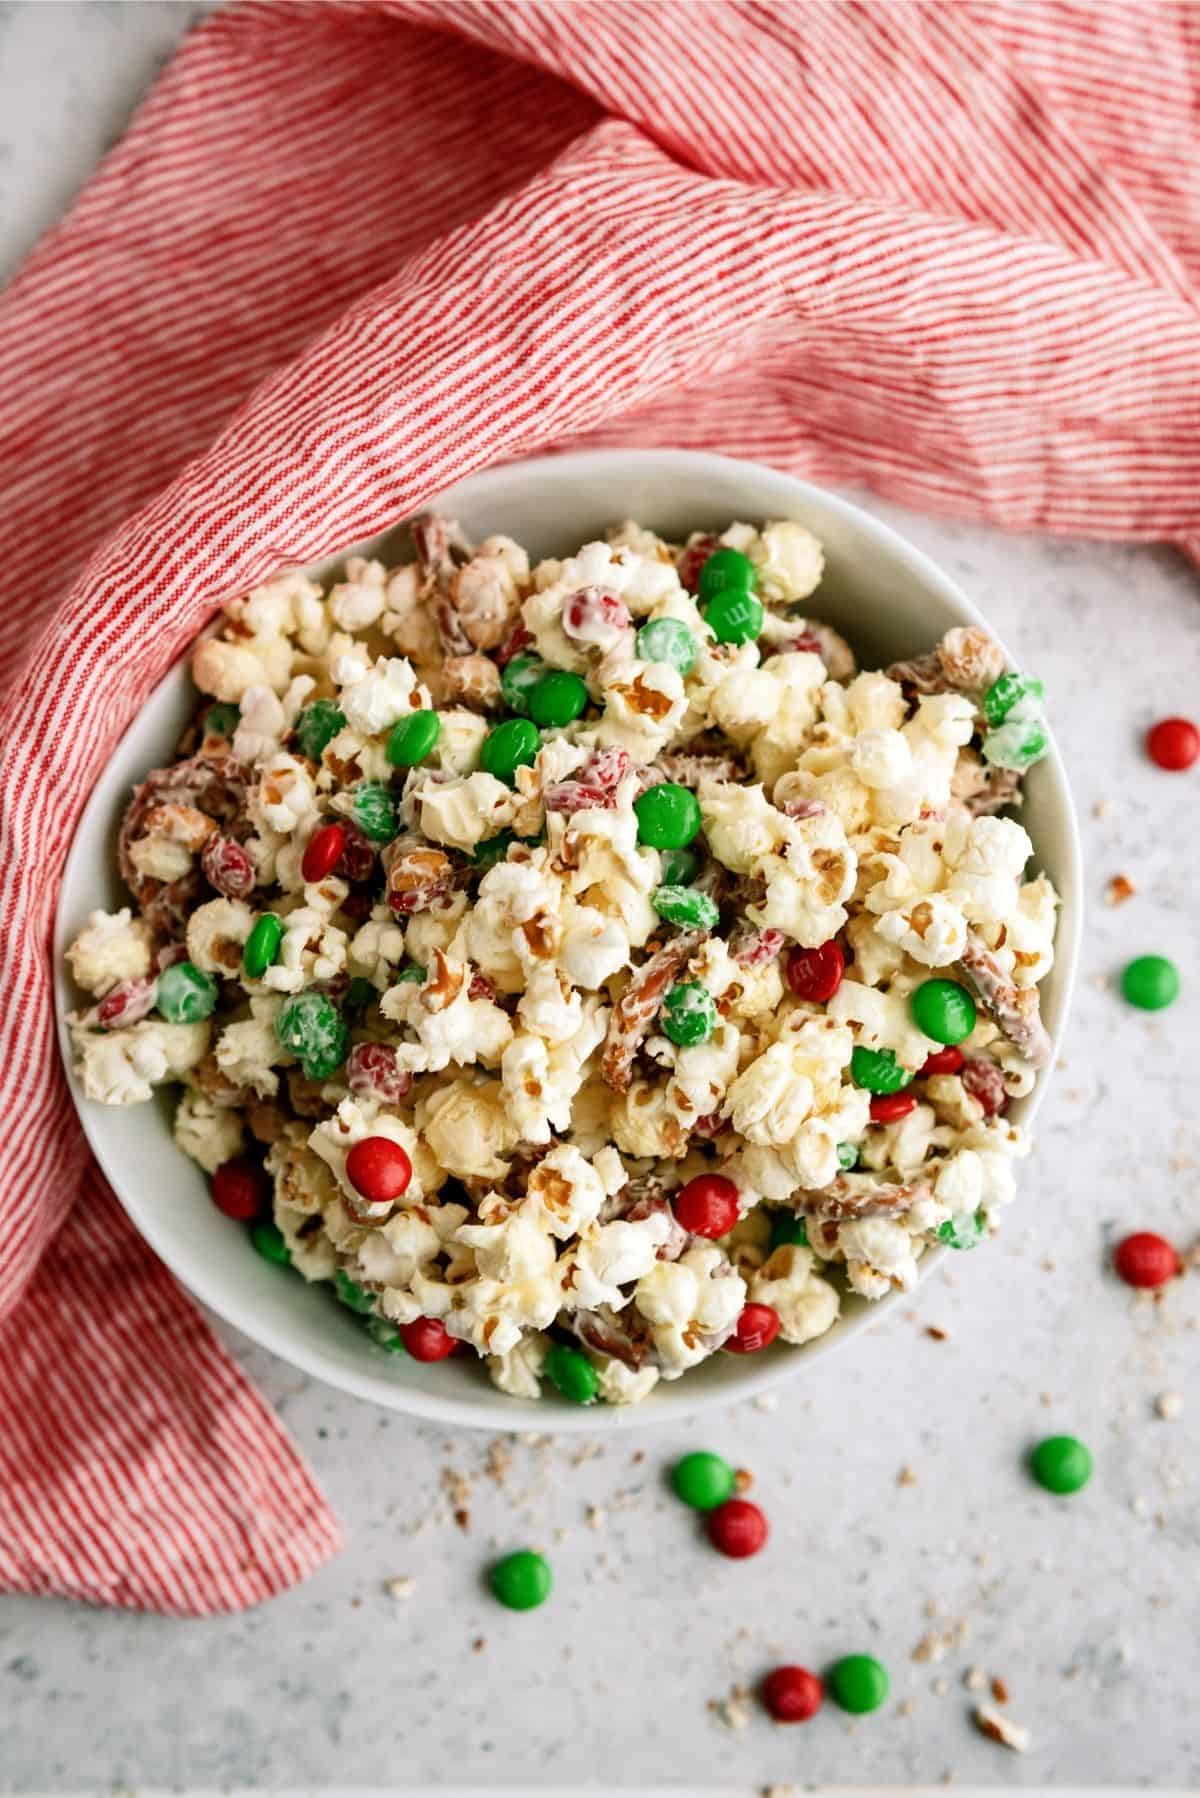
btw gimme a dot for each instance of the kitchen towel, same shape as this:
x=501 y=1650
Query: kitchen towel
x=348 y=253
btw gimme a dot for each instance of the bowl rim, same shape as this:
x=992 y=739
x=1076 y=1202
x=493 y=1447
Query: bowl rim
x=494 y=1410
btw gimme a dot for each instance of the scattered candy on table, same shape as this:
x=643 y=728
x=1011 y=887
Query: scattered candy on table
x=1062 y=1464
x=1144 y=1259
x=1151 y=982
x=792 y=1694
x=858 y=1683
x=1174 y=744
x=703 y=1480
x=737 y=1528
x=522 y=1581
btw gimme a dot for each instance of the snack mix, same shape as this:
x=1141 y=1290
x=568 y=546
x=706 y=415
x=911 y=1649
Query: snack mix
x=586 y=965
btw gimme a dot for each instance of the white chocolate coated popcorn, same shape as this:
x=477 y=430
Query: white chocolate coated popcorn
x=481 y=971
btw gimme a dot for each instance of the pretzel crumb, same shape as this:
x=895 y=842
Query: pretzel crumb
x=1168 y=1405
x=998 y=1728
x=1119 y=889
x=400 y=1587
x=975 y=1679
x=906 y=1476
x=936 y=1332
x=999 y=1690
x=732 y=1711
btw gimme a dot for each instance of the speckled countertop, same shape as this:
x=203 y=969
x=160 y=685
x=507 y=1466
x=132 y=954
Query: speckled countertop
x=902 y=1522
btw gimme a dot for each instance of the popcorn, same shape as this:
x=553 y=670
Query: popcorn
x=374 y=698
x=216 y=935
x=501 y=971
x=310 y=949
x=519 y=1372
x=691 y=1306
x=806 y=1304
x=460 y=813
x=208 y=1132
x=112 y=946
x=124 y=1068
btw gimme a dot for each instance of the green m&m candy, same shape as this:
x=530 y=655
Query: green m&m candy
x=1009 y=691
x=859 y=1683
x=359 y=994
x=734 y=617
x=1062 y=1464
x=788 y=1230
x=517 y=680
x=679 y=867
x=685 y=905
x=522 y=1581
x=374 y=811
x=689 y=1014
x=703 y=1480
x=847 y=1154
x=878 y=1070
x=384 y=1332
x=557 y=699
x=667 y=640
x=411 y=971
x=310 y=1027
x=1151 y=982
x=317 y=726
x=668 y=816
x=492 y=850
x=186 y=994
x=511 y=745
x=262 y=945
x=351 y=1294
x=268 y=1240
x=1016 y=745
x=965 y=1232
x=221 y=720
x=570 y=1371
x=727 y=571
x=411 y=739
x=943 y=1010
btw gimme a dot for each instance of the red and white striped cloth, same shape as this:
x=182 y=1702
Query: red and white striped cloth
x=349 y=252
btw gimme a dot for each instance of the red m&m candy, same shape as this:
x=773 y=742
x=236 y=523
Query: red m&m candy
x=756 y=1328
x=737 y=1528
x=323 y=851
x=1145 y=1259
x=239 y=1189
x=889 y=1108
x=379 y=1169
x=816 y=974
x=707 y=1205
x=427 y=1339
x=942 y=1061
x=792 y=1694
x=1174 y=744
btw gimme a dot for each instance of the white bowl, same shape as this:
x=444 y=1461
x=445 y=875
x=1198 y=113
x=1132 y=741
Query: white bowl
x=885 y=596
